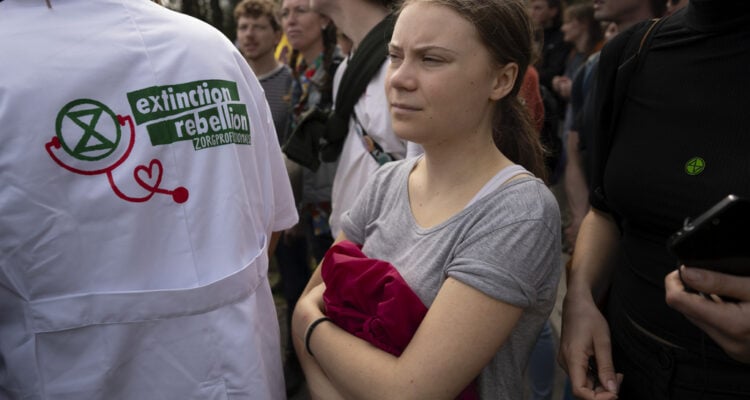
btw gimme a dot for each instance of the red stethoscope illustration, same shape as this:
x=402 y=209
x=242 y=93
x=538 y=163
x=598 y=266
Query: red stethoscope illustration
x=148 y=177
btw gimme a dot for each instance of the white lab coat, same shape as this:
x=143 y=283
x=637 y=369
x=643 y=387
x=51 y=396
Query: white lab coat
x=140 y=179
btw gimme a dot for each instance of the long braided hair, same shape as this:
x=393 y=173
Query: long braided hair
x=329 y=51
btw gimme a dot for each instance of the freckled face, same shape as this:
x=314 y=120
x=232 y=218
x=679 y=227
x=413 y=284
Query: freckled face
x=440 y=77
x=256 y=37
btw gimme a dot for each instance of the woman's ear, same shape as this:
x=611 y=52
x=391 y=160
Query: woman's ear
x=505 y=78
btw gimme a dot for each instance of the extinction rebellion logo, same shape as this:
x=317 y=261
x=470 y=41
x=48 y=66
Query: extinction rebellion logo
x=90 y=139
x=208 y=113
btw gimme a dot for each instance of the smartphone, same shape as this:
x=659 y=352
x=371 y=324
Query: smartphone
x=718 y=239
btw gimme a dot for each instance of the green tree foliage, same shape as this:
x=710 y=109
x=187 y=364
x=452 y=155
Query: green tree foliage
x=216 y=12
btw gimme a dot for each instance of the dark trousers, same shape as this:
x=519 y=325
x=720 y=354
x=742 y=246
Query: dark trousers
x=293 y=258
x=294 y=268
x=656 y=371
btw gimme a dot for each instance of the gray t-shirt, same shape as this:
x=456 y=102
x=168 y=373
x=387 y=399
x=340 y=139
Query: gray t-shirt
x=506 y=245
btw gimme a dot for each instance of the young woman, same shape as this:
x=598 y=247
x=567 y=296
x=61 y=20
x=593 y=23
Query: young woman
x=468 y=226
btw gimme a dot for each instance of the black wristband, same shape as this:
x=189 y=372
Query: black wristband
x=309 y=332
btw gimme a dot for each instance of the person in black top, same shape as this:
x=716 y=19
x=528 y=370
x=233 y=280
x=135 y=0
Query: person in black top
x=678 y=146
x=547 y=16
x=622 y=14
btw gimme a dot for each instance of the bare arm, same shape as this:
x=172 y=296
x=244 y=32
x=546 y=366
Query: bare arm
x=319 y=386
x=585 y=332
x=460 y=334
x=575 y=187
x=599 y=239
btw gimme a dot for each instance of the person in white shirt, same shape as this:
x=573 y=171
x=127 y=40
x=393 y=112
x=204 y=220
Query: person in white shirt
x=370 y=121
x=141 y=186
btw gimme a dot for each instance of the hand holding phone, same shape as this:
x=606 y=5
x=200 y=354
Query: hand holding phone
x=727 y=324
x=717 y=240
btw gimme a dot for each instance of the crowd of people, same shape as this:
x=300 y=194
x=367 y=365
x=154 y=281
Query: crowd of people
x=419 y=171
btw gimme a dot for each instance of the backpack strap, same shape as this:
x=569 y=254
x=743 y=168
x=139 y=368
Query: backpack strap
x=326 y=99
x=627 y=68
x=620 y=60
x=376 y=151
x=363 y=65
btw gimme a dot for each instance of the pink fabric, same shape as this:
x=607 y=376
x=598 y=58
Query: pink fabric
x=371 y=300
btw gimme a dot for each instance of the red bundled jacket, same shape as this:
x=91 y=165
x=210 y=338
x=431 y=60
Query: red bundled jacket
x=371 y=300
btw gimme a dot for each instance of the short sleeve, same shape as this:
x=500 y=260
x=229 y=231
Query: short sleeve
x=284 y=210
x=610 y=91
x=354 y=220
x=517 y=263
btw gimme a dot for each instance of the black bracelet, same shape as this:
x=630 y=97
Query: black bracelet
x=309 y=332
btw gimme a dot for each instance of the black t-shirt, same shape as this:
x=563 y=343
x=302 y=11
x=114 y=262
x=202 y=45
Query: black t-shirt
x=682 y=143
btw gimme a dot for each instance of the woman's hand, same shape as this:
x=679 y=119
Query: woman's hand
x=585 y=335
x=727 y=323
x=561 y=85
x=309 y=308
